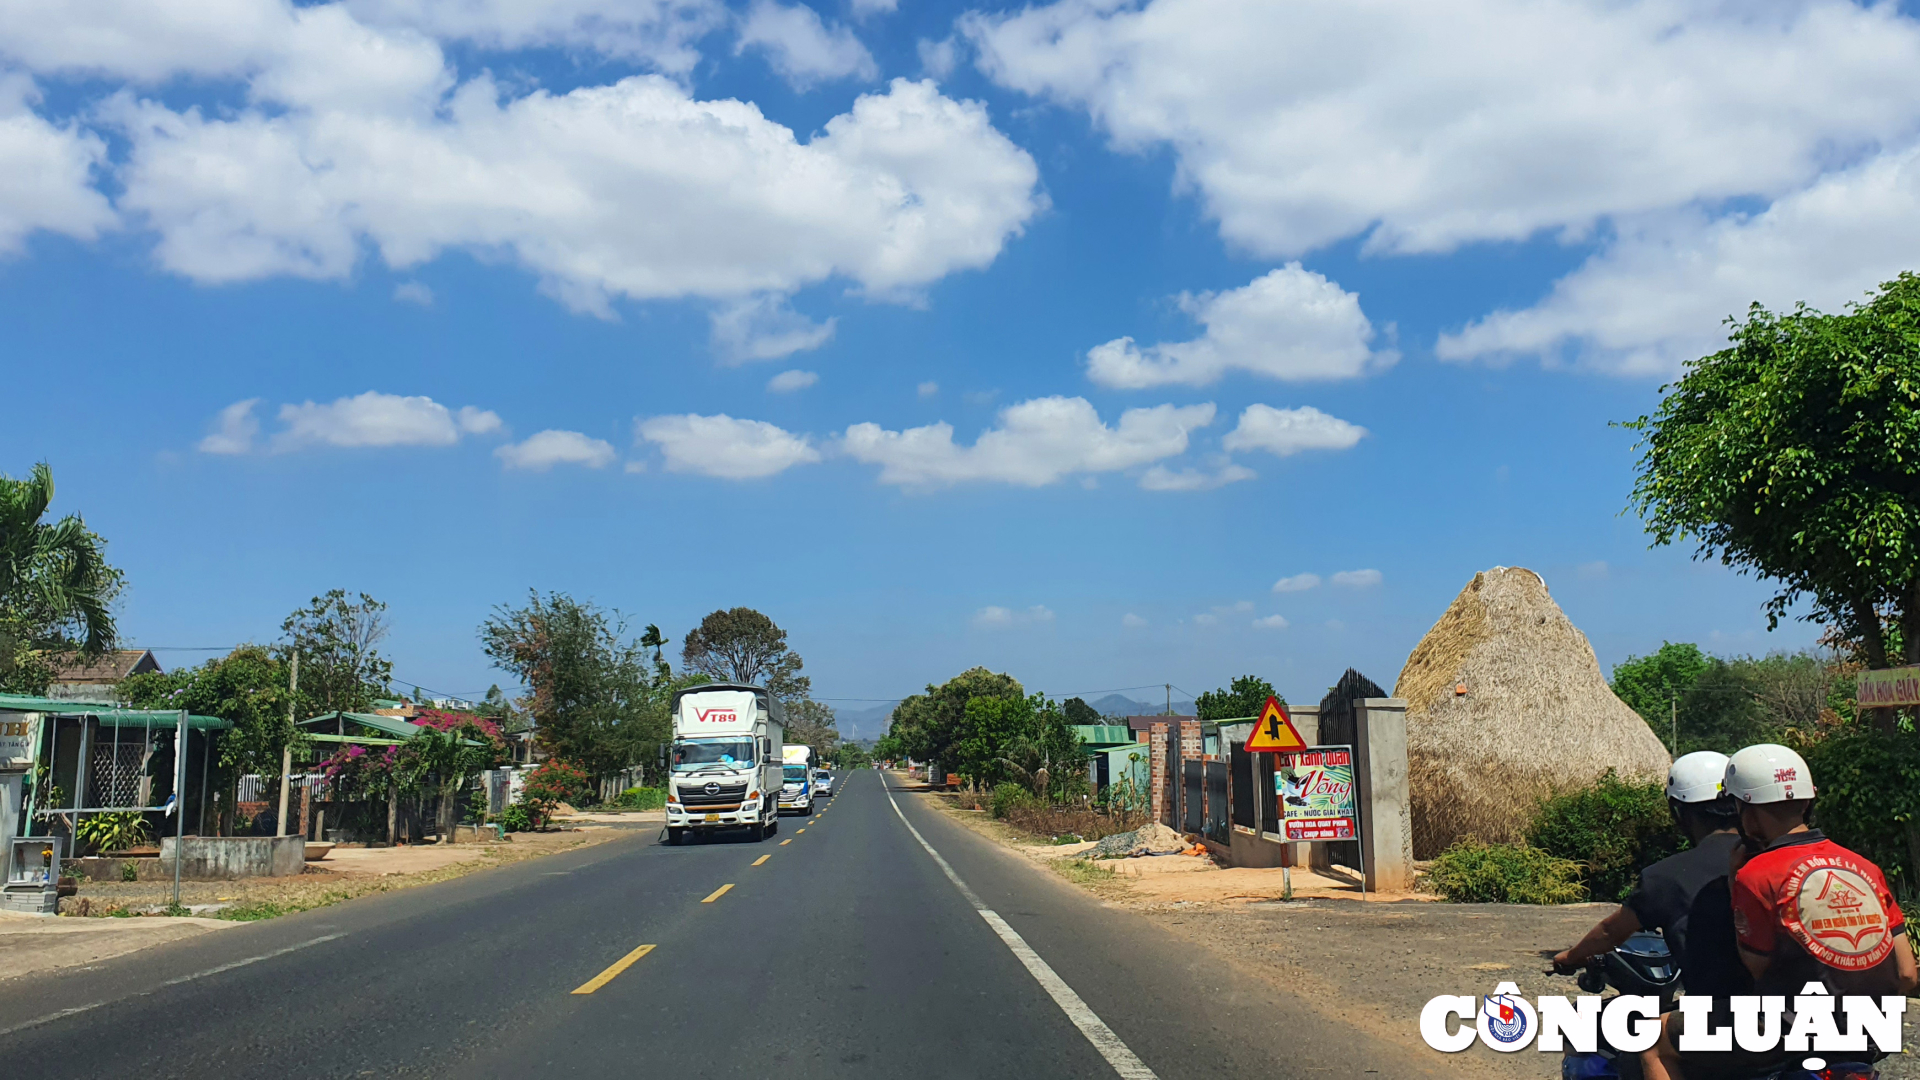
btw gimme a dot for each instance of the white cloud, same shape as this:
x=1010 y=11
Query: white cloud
x=1290 y=324
x=474 y=421
x=234 y=431
x=1288 y=431
x=938 y=58
x=546 y=449
x=789 y=381
x=1132 y=622
x=1206 y=618
x=353 y=138
x=1425 y=126
x=659 y=33
x=46 y=172
x=1357 y=579
x=802 y=49
x=1655 y=296
x=1038 y=442
x=928 y=389
x=1592 y=571
x=1161 y=478
x=1296 y=583
x=376 y=419
x=150 y=42
x=1271 y=622
x=864 y=8
x=992 y=616
x=413 y=292
x=765 y=327
x=724 y=447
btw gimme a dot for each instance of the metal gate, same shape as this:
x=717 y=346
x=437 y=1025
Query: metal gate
x=1218 y=811
x=1193 y=796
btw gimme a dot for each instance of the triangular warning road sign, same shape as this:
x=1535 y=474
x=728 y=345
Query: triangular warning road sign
x=1275 y=731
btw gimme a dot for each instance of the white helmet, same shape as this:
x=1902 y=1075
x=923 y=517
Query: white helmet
x=1696 y=777
x=1768 y=773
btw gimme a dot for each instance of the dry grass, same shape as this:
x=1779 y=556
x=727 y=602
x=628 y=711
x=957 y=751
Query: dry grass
x=1538 y=716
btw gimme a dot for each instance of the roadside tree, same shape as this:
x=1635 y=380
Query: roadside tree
x=338 y=640
x=1242 y=698
x=741 y=645
x=1794 y=455
x=592 y=696
x=928 y=726
x=812 y=723
x=56 y=587
x=248 y=688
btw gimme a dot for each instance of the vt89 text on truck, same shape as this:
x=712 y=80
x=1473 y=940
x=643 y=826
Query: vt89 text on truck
x=726 y=760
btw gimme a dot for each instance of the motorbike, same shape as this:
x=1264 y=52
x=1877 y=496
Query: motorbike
x=1643 y=964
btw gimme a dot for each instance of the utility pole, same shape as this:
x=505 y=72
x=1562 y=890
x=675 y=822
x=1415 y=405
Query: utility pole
x=1169 y=699
x=286 y=752
x=1674 y=700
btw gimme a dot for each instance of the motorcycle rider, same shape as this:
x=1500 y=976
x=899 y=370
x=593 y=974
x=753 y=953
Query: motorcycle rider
x=1787 y=883
x=1664 y=896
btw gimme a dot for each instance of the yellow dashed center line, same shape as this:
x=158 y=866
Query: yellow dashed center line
x=784 y=843
x=718 y=893
x=619 y=966
x=797 y=832
x=761 y=859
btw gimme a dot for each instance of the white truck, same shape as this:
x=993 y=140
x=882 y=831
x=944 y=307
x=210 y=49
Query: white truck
x=725 y=760
x=796 y=786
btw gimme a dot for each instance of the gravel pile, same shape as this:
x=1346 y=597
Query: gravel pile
x=1150 y=839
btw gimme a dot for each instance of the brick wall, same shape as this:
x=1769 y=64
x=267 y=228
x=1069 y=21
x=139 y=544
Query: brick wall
x=1157 y=750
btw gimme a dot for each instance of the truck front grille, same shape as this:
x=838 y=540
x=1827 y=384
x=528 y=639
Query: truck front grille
x=698 y=797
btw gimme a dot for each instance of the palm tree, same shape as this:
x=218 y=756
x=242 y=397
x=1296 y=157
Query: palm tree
x=55 y=584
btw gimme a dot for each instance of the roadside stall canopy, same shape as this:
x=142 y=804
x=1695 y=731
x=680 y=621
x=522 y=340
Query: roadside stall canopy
x=109 y=714
x=364 y=729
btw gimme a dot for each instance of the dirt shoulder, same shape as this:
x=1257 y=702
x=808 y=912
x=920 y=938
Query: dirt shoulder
x=1372 y=964
x=346 y=873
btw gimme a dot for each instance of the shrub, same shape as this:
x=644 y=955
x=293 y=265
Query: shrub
x=1869 y=785
x=551 y=784
x=516 y=818
x=112 y=832
x=1006 y=797
x=1612 y=830
x=1473 y=871
x=643 y=798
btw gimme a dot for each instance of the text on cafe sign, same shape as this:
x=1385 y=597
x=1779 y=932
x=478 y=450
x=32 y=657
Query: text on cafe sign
x=1891 y=686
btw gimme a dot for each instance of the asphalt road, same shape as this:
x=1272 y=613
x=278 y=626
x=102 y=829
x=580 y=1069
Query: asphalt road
x=838 y=948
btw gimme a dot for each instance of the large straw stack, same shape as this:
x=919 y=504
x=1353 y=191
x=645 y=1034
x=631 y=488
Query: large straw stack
x=1537 y=715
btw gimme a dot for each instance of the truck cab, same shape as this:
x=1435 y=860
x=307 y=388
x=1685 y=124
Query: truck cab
x=796 y=781
x=724 y=768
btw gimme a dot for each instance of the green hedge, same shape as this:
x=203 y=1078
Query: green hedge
x=1612 y=830
x=1008 y=796
x=1473 y=871
x=642 y=798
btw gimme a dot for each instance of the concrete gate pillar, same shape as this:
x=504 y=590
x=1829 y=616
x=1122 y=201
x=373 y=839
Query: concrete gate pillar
x=1380 y=773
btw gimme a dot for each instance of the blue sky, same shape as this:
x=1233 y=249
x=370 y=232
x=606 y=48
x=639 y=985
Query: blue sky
x=658 y=302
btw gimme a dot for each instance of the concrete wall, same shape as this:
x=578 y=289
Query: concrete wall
x=221 y=858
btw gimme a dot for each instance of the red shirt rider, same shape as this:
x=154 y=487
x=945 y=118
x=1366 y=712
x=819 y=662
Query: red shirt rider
x=1819 y=910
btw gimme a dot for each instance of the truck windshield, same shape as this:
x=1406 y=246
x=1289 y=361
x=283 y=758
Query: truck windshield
x=795 y=774
x=702 y=753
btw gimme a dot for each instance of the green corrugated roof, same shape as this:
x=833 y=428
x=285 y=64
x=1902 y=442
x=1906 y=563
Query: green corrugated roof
x=386 y=725
x=1101 y=735
x=109 y=714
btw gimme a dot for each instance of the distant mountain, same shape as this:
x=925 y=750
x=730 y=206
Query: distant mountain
x=864 y=724
x=1120 y=705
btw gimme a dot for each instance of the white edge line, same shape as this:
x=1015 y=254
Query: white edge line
x=77 y=1009
x=1123 y=1060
